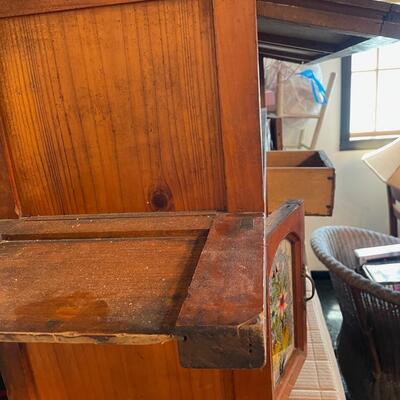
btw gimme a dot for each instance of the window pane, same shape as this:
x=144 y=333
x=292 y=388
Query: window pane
x=363 y=102
x=389 y=56
x=388 y=113
x=364 y=61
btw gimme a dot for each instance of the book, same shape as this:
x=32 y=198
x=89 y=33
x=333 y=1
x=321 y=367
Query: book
x=383 y=273
x=375 y=253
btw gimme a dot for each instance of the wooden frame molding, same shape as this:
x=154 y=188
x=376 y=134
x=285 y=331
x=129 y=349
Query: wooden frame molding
x=288 y=223
x=223 y=318
x=360 y=17
x=240 y=120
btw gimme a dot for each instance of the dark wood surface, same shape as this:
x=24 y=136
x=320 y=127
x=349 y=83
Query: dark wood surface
x=223 y=316
x=107 y=290
x=125 y=279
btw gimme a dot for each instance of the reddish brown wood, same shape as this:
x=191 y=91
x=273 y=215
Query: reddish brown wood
x=235 y=22
x=126 y=288
x=223 y=316
x=16 y=372
x=123 y=279
x=288 y=223
x=285 y=223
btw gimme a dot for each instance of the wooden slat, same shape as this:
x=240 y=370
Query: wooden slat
x=236 y=39
x=106 y=111
x=103 y=226
x=107 y=291
x=223 y=318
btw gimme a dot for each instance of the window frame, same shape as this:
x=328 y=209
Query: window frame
x=345 y=142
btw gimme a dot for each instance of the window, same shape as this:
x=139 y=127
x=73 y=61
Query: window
x=371 y=98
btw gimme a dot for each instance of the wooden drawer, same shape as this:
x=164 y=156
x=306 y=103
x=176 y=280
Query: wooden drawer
x=307 y=175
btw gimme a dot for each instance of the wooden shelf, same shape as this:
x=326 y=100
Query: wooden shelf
x=125 y=279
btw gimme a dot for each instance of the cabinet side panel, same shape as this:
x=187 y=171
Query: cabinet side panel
x=237 y=59
x=113 y=109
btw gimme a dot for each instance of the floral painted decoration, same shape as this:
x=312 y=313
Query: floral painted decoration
x=281 y=301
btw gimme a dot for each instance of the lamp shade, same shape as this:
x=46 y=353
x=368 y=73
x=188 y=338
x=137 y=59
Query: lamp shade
x=385 y=162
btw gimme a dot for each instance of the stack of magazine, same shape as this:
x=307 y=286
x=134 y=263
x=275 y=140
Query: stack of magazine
x=381 y=264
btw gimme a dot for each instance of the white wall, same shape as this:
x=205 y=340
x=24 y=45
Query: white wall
x=360 y=198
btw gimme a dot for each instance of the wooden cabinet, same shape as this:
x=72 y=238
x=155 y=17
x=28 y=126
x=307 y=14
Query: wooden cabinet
x=141 y=261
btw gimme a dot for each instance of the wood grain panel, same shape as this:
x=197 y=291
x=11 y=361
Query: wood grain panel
x=122 y=372
x=113 y=109
x=111 y=290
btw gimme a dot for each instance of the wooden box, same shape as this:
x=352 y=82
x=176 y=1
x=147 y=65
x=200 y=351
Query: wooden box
x=198 y=280
x=307 y=175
